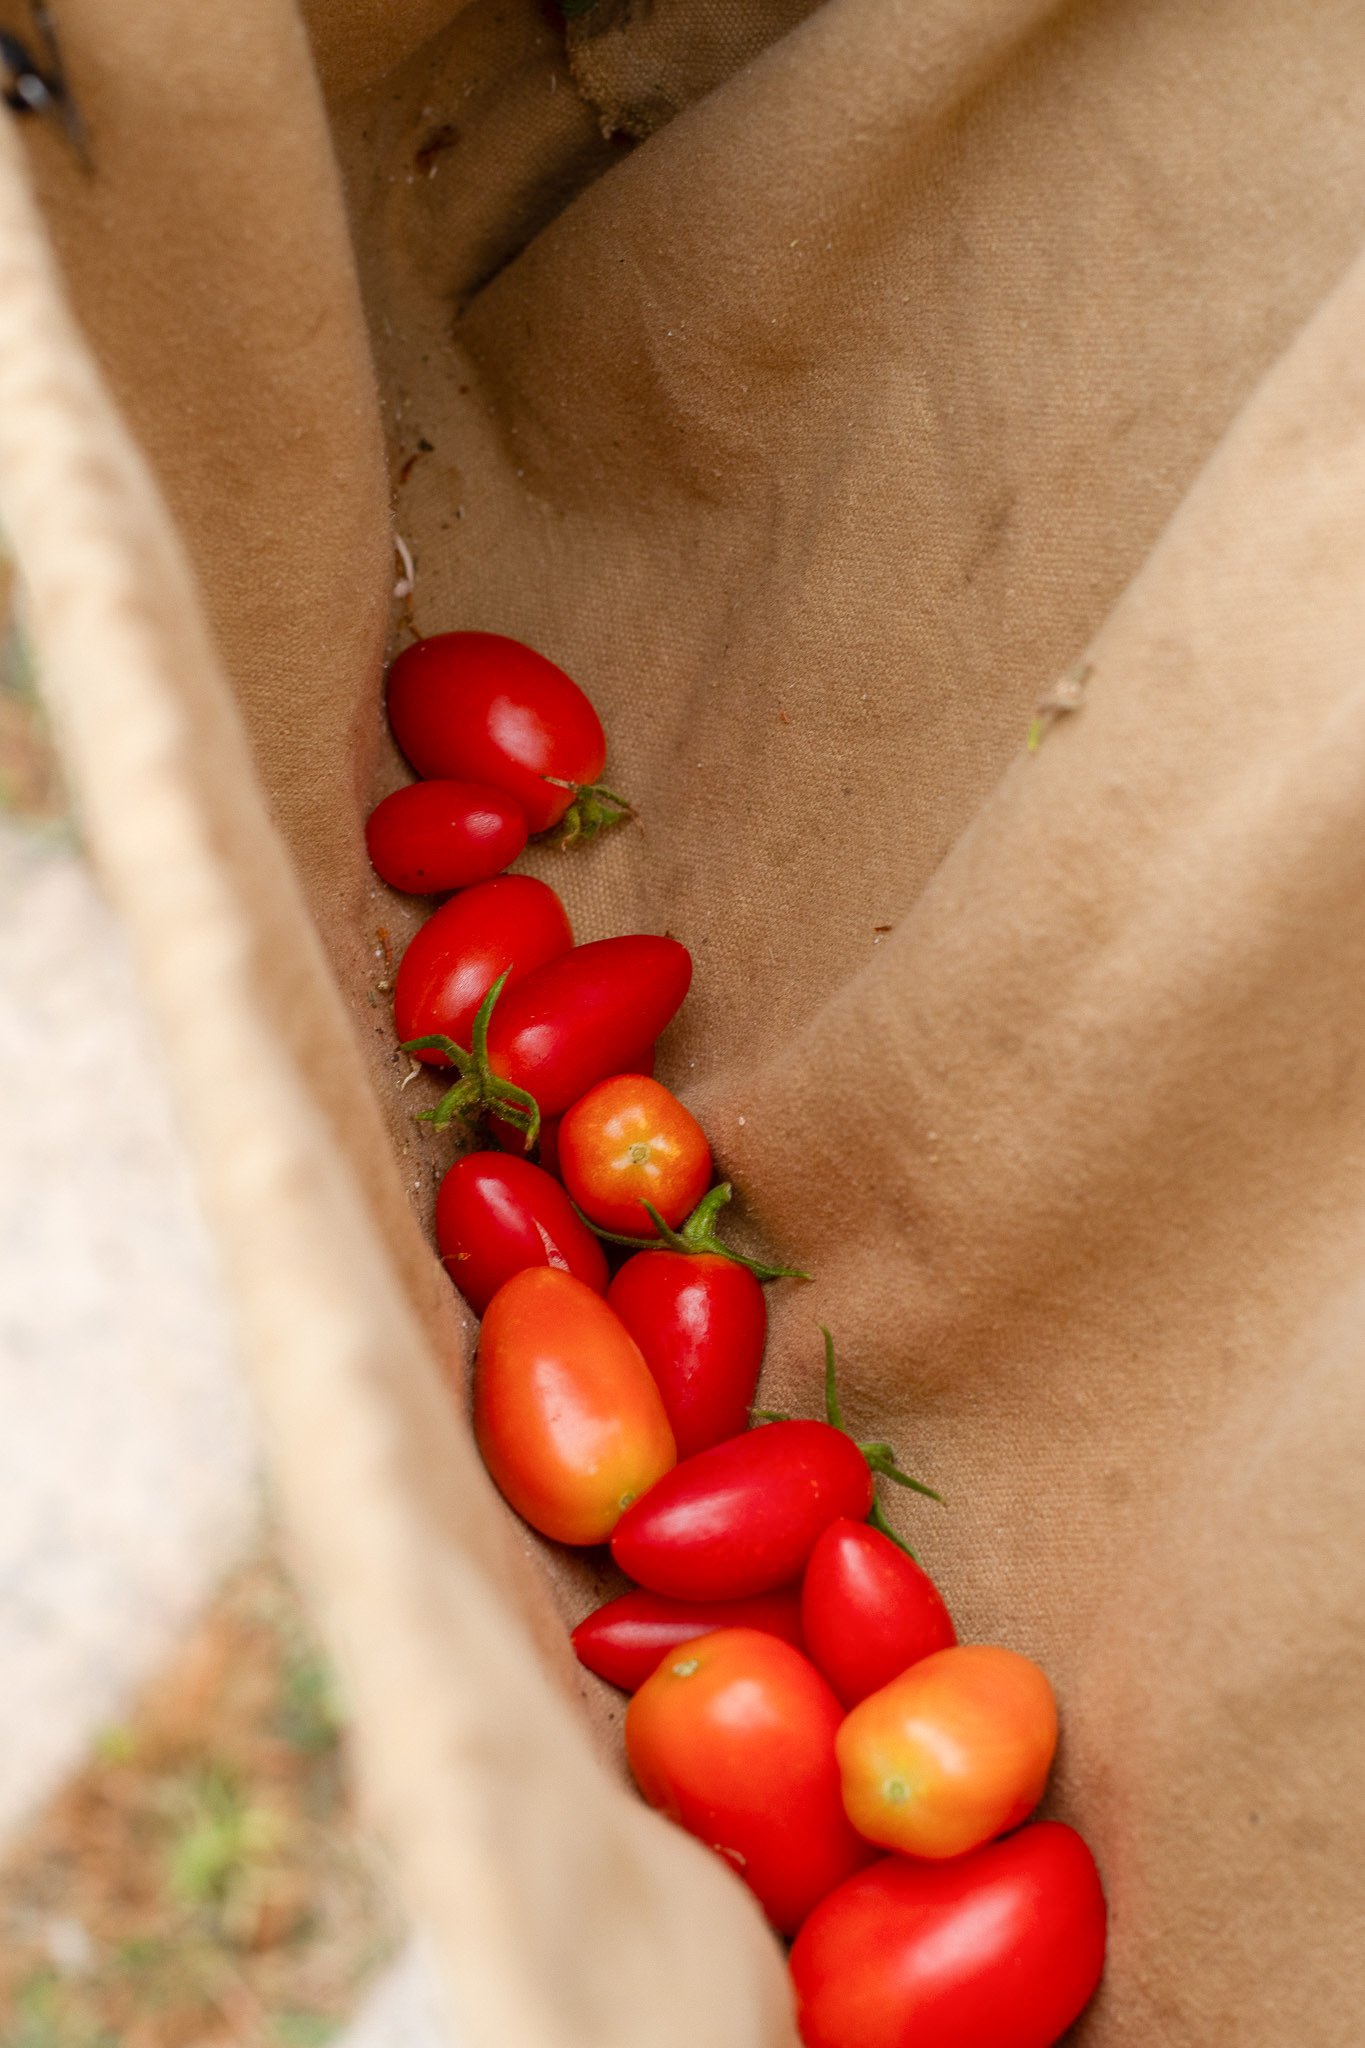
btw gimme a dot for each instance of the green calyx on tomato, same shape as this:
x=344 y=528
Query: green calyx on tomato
x=479 y=1091
x=698 y=1234
x=594 y=809
x=880 y=1457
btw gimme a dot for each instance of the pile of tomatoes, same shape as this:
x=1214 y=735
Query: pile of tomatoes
x=801 y=1702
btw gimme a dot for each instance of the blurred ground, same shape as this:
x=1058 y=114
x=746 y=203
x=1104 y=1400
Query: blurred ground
x=127 y=1472
x=179 y=1862
x=200 y=1879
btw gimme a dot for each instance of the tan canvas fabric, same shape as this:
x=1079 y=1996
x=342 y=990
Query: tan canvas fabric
x=918 y=352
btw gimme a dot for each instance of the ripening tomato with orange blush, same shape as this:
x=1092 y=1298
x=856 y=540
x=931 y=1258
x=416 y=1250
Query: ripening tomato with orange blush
x=952 y=1753
x=629 y=1141
x=732 y=1736
x=566 y=1413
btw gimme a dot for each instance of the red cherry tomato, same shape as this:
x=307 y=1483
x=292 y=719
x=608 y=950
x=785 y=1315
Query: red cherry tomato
x=999 y=1949
x=487 y=709
x=567 y=1418
x=629 y=1141
x=547 y=1146
x=743 y=1517
x=701 y=1322
x=515 y=924
x=733 y=1738
x=625 y=1640
x=584 y=1014
x=954 y=1751
x=496 y=1215
x=509 y=1139
x=868 y=1610
x=434 y=836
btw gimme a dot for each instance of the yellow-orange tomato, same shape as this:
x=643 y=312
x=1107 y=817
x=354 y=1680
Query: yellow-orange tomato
x=628 y=1142
x=950 y=1754
x=566 y=1412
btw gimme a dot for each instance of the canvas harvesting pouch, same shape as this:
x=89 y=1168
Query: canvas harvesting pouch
x=821 y=388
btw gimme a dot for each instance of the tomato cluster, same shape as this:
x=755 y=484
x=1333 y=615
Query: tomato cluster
x=800 y=1700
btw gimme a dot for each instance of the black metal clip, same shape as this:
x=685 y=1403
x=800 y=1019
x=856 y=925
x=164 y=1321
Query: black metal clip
x=31 y=86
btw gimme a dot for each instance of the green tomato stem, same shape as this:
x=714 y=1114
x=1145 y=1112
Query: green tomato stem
x=877 y=1519
x=479 y=1092
x=594 y=809
x=880 y=1457
x=697 y=1235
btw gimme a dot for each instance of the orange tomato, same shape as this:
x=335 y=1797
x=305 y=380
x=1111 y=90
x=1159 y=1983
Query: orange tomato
x=950 y=1754
x=733 y=1738
x=566 y=1412
x=628 y=1142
